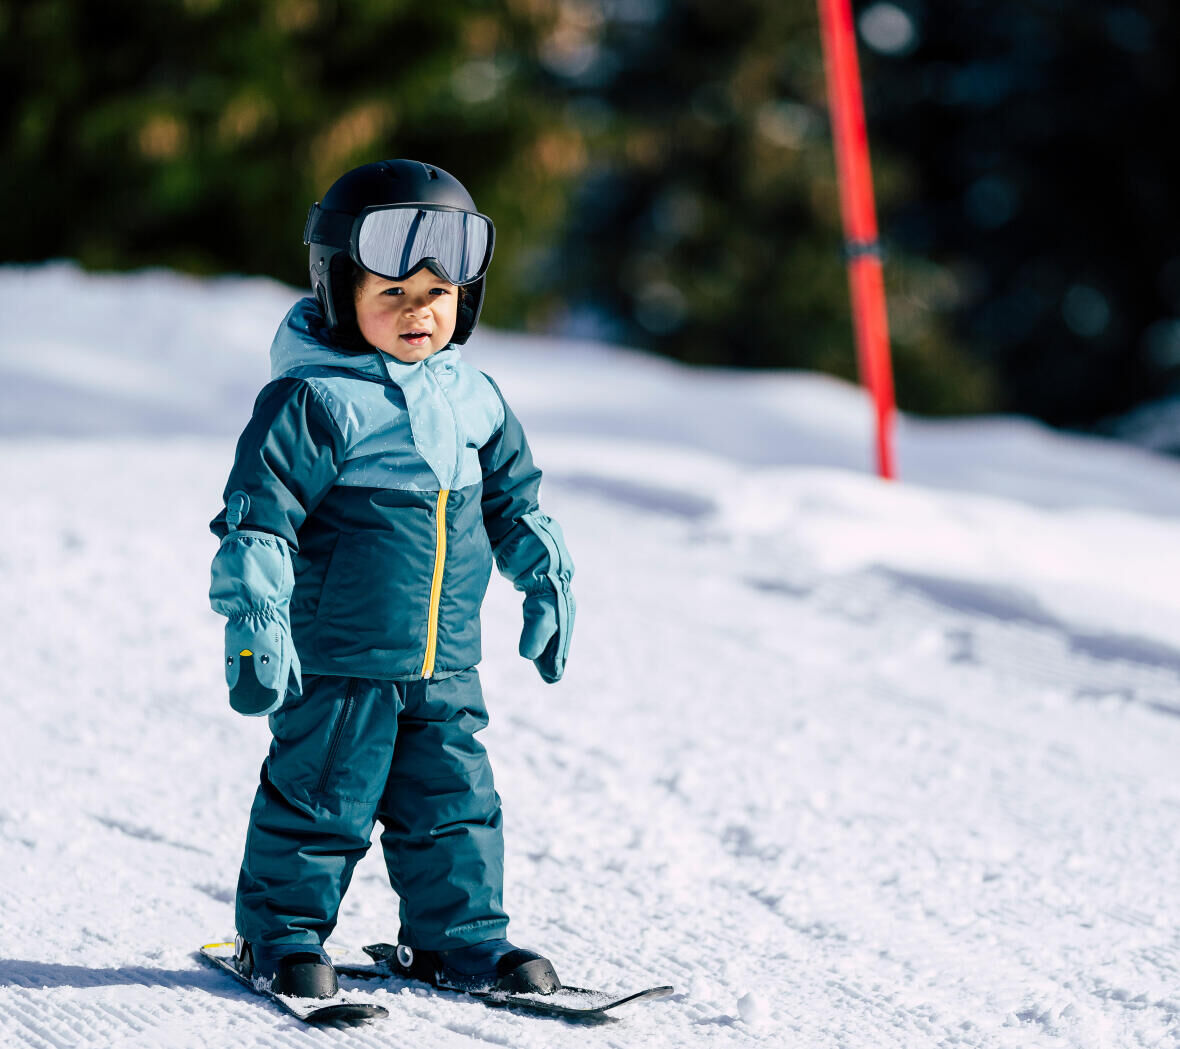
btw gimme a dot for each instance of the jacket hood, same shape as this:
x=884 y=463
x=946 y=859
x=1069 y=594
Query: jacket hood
x=303 y=341
x=302 y=344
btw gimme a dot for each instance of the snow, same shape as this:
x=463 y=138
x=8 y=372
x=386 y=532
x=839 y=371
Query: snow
x=851 y=764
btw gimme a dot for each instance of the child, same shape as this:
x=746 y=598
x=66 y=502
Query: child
x=376 y=480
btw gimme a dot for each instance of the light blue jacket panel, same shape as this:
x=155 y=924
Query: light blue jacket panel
x=416 y=426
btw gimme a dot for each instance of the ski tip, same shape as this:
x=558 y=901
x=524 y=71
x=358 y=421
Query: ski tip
x=346 y=1013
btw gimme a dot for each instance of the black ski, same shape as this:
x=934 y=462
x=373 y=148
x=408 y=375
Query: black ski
x=310 y=1010
x=569 y=1003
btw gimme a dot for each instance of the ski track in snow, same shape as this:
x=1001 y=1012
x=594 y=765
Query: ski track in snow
x=851 y=765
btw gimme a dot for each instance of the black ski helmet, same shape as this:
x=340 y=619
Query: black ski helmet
x=333 y=227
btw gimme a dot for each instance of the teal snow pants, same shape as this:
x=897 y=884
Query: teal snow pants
x=350 y=752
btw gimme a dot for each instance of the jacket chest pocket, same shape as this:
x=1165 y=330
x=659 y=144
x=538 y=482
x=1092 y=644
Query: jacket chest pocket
x=373 y=594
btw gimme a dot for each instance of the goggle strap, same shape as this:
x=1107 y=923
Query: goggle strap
x=333 y=228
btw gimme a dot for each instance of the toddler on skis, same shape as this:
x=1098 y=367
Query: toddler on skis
x=377 y=480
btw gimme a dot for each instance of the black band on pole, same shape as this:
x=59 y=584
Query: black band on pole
x=855 y=249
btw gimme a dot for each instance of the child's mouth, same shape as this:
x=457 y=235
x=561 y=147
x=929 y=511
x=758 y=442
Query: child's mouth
x=416 y=338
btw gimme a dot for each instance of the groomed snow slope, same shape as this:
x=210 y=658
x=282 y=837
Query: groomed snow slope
x=850 y=764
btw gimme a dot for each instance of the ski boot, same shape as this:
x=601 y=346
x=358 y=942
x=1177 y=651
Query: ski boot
x=494 y=965
x=295 y=970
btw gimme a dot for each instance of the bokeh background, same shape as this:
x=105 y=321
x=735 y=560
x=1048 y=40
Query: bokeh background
x=660 y=173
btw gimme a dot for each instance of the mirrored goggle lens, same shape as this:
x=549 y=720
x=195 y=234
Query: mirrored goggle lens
x=393 y=242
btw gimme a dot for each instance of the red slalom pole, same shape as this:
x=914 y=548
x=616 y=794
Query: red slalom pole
x=861 y=243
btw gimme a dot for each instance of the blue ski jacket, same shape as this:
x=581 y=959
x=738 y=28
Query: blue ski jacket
x=367 y=500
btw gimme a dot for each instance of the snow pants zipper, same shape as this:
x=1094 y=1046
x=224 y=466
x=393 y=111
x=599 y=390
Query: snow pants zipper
x=337 y=733
x=440 y=557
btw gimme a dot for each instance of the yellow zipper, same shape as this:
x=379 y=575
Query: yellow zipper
x=440 y=556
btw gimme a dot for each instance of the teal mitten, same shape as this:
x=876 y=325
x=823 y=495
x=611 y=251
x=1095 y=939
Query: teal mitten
x=543 y=640
x=252 y=580
x=535 y=558
x=260 y=664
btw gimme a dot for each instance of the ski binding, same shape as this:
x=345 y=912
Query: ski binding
x=339 y=1008
x=569 y=1003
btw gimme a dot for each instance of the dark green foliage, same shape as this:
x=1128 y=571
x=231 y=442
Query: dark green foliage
x=708 y=223
x=196 y=134
x=1038 y=135
x=660 y=171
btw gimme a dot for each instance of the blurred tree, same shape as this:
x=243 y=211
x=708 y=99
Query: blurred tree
x=196 y=133
x=708 y=224
x=660 y=172
x=1036 y=134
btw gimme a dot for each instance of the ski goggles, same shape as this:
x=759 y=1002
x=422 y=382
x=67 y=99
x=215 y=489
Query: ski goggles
x=396 y=240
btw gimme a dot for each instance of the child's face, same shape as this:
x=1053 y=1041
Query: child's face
x=408 y=319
